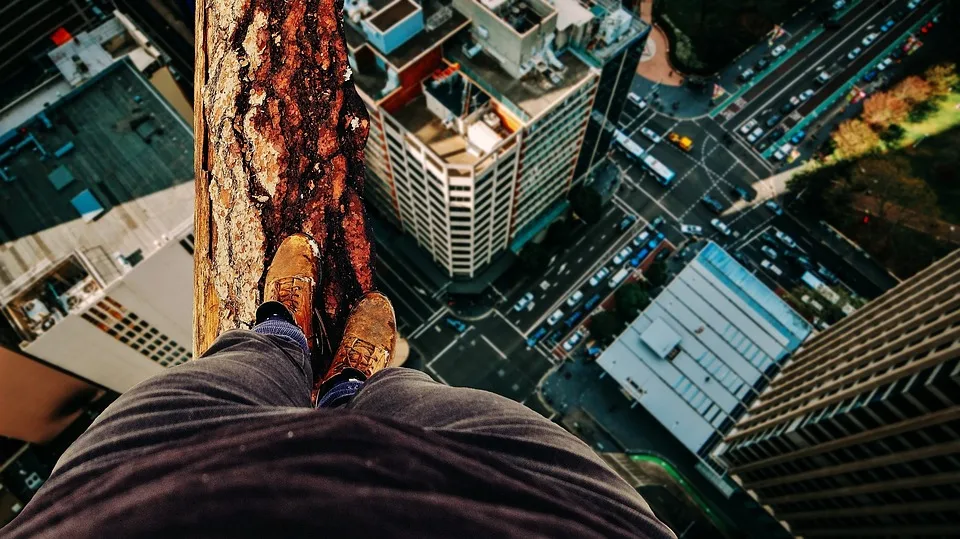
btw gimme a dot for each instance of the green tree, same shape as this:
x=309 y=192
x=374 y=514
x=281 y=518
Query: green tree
x=605 y=326
x=942 y=78
x=656 y=274
x=893 y=134
x=587 y=204
x=534 y=258
x=921 y=111
x=631 y=298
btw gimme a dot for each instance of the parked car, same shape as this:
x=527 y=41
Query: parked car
x=769 y=251
x=777 y=133
x=622 y=255
x=721 y=227
x=657 y=221
x=871 y=75
x=591 y=303
x=828 y=275
x=641 y=237
x=839 y=4
x=798 y=137
x=761 y=64
x=755 y=135
x=555 y=317
x=637 y=100
x=778 y=50
x=821 y=78
x=572 y=320
x=599 y=276
x=747 y=127
x=774 y=207
x=459 y=326
x=742 y=193
x=788 y=106
x=746 y=75
x=854 y=53
x=885 y=27
x=647 y=132
x=767 y=265
x=773 y=120
x=523 y=302
x=627 y=222
x=885 y=63
x=574 y=340
x=763 y=145
x=574 y=299
x=913 y=4
x=869 y=39
x=712 y=204
x=786 y=240
x=806 y=94
x=536 y=336
x=692 y=230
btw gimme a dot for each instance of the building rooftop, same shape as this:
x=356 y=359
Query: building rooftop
x=712 y=338
x=447 y=143
x=105 y=169
x=442 y=21
x=528 y=96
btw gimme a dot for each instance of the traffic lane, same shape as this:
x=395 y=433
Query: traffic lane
x=578 y=259
x=847 y=272
x=554 y=297
x=514 y=289
x=809 y=56
x=412 y=308
x=481 y=361
x=845 y=70
x=753 y=162
x=800 y=76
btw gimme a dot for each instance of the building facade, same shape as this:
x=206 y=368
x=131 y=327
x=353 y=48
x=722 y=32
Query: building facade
x=96 y=210
x=478 y=114
x=859 y=434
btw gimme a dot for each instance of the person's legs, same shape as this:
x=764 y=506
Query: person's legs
x=243 y=374
x=413 y=397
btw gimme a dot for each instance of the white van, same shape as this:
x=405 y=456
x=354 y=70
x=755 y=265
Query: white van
x=618 y=278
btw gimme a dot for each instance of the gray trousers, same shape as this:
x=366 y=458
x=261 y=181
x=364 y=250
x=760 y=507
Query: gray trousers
x=248 y=375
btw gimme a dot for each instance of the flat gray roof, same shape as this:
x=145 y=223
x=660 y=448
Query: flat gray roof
x=120 y=143
x=733 y=332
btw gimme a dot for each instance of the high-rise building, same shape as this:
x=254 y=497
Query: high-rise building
x=859 y=434
x=30 y=29
x=479 y=110
x=96 y=205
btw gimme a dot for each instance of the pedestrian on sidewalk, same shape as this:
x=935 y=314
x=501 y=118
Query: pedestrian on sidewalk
x=233 y=445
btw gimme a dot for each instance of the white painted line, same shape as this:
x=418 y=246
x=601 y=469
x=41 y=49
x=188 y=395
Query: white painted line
x=456 y=339
x=430 y=321
x=511 y=324
x=495 y=349
x=437 y=375
x=414 y=292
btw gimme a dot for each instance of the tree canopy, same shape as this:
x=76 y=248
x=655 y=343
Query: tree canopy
x=631 y=298
x=587 y=204
x=854 y=137
x=605 y=326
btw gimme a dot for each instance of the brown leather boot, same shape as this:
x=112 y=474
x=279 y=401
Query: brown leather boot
x=369 y=340
x=291 y=279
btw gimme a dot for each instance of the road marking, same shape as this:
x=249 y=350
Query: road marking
x=455 y=340
x=509 y=323
x=851 y=35
x=495 y=349
x=397 y=296
x=437 y=375
x=429 y=322
x=414 y=292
